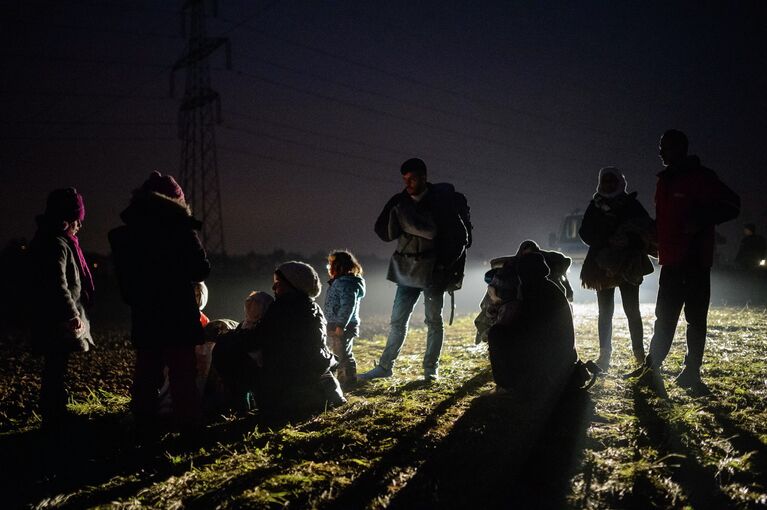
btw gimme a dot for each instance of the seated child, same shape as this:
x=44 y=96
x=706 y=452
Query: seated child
x=235 y=367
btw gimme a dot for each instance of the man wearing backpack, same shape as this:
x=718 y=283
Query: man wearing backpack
x=689 y=201
x=432 y=227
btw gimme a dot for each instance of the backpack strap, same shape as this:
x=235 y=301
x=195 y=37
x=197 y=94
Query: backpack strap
x=452 y=306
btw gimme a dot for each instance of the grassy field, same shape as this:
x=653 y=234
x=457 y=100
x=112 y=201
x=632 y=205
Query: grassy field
x=400 y=443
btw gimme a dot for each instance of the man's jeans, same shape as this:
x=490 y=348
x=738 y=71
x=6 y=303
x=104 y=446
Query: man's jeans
x=404 y=302
x=681 y=287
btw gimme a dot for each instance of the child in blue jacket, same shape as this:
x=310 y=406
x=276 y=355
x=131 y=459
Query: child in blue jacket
x=346 y=289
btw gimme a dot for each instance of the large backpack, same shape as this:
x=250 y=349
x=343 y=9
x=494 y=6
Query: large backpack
x=455 y=273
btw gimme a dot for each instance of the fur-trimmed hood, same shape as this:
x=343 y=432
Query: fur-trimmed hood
x=148 y=208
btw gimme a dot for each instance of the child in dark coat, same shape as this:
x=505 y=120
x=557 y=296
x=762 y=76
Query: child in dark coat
x=346 y=289
x=63 y=287
x=158 y=257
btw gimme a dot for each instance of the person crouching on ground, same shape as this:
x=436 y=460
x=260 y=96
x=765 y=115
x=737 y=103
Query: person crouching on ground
x=346 y=289
x=532 y=349
x=295 y=374
x=63 y=287
x=494 y=298
x=158 y=257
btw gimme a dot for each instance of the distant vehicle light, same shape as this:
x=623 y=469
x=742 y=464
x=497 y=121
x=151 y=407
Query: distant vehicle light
x=763 y=262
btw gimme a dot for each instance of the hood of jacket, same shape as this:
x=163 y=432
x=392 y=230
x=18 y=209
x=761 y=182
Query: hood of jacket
x=350 y=281
x=154 y=210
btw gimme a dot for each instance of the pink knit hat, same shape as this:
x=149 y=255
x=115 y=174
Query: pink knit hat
x=164 y=185
x=65 y=205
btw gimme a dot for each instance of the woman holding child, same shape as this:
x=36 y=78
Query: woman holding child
x=618 y=231
x=284 y=357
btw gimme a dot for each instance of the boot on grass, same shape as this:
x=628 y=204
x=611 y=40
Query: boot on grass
x=378 y=372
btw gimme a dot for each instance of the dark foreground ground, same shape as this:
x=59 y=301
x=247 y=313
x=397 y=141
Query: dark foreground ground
x=399 y=443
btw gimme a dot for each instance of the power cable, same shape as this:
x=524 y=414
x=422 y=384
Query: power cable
x=387 y=164
x=398 y=152
x=420 y=83
x=409 y=120
x=406 y=102
x=95 y=30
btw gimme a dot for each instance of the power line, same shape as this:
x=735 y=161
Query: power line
x=386 y=164
x=78 y=60
x=335 y=170
x=398 y=152
x=244 y=21
x=314 y=166
x=406 y=102
x=88 y=95
x=87 y=123
x=420 y=83
x=95 y=30
x=87 y=139
x=130 y=6
x=410 y=120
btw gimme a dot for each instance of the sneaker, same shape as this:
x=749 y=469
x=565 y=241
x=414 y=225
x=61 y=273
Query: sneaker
x=639 y=357
x=430 y=374
x=688 y=378
x=378 y=372
x=652 y=379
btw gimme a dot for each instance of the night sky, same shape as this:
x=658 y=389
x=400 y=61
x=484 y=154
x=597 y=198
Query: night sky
x=517 y=103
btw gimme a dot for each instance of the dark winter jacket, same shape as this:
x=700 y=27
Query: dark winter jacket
x=342 y=301
x=292 y=339
x=540 y=340
x=56 y=288
x=432 y=237
x=158 y=257
x=689 y=201
x=609 y=219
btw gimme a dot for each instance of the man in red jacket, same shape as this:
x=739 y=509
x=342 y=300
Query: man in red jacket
x=689 y=200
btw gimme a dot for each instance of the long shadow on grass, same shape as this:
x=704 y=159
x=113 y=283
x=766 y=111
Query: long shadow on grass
x=744 y=442
x=698 y=483
x=504 y=453
x=90 y=453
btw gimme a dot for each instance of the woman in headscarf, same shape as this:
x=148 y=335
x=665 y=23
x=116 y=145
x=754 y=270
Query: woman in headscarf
x=618 y=231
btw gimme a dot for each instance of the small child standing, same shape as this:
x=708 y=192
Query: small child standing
x=346 y=289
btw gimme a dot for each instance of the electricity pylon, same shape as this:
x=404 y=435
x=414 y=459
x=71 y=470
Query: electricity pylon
x=199 y=113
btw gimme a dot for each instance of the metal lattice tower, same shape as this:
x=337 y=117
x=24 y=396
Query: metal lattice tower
x=199 y=113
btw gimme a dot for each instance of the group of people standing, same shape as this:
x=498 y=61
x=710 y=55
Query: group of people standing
x=289 y=354
x=689 y=200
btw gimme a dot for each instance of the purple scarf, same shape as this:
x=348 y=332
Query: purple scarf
x=86 y=279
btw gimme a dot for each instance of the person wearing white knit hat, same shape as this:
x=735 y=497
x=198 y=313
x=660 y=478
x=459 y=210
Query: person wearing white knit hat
x=295 y=373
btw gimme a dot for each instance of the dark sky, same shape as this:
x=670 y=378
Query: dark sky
x=517 y=103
